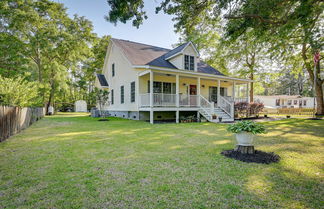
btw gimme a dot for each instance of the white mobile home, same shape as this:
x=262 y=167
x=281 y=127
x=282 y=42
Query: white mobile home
x=285 y=101
x=153 y=83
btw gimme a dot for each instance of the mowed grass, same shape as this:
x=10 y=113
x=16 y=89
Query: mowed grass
x=74 y=161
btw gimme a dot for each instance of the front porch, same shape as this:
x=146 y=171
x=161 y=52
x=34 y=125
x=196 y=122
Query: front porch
x=179 y=91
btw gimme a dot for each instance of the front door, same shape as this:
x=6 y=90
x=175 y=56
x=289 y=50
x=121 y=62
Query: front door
x=192 y=97
x=193 y=90
x=213 y=94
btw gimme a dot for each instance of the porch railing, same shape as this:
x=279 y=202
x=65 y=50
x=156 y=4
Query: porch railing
x=164 y=100
x=159 y=100
x=188 y=100
x=169 y=100
x=226 y=105
x=144 y=100
x=241 y=99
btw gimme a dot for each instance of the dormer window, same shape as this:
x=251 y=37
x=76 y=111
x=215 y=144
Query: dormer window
x=189 y=62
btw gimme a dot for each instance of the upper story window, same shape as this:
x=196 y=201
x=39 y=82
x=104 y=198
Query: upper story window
x=113 y=69
x=189 y=62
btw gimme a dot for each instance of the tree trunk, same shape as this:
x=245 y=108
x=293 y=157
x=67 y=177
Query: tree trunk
x=251 y=87
x=318 y=84
x=245 y=149
x=51 y=97
x=319 y=99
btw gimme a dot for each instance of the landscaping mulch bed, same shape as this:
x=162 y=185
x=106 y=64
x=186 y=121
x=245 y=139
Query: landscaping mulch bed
x=257 y=157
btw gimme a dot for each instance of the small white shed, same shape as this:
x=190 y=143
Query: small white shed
x=80 y=106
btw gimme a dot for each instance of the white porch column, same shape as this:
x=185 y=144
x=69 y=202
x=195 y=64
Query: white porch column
x=233 y=103
x=137 y=92
x=151 y=98
x=177 y=116
x=247 y=92
x=233 y=91
x=177 y=91
x=151 y=116
x=218 y=93
x=198 y=91
x=151 y=89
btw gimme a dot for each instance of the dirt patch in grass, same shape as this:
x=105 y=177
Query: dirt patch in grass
x=257 y=157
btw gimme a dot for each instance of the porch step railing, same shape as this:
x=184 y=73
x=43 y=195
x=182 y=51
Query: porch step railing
x=206 y=108
x=226 y=106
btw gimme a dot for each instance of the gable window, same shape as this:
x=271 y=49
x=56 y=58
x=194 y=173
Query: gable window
x=112 y=96
x=113 y=69
x=122 y=95
x=189 y=62
x=186 y=57
x=132 y=91
x=192 y=63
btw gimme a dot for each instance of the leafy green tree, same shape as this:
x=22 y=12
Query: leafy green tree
x=102 y=97
x=18 y=92
x=12 y=56
x=290 y=27
x=53 y=41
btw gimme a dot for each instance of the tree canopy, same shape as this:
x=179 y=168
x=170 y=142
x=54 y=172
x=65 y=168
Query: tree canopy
x=41 y=42
x=292 y=29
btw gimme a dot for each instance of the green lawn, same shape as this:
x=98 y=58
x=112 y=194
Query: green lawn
x=74 y=161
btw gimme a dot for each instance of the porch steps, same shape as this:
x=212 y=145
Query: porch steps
x=217 y=111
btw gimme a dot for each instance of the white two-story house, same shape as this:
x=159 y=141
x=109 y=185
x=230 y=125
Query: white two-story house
x=153 y=83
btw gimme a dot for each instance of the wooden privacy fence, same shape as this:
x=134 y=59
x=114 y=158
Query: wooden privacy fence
x=290 y=111
x=15 y=119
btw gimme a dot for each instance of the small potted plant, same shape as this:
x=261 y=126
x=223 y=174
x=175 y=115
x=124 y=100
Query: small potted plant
x=245 y=131
x=182 y=119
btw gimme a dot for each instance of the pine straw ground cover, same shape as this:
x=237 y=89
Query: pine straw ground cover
x=74 y=161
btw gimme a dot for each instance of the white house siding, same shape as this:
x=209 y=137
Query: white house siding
x=178 y=61
x=124 y=75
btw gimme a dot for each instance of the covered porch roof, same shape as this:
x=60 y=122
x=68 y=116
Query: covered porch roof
x=187 y=73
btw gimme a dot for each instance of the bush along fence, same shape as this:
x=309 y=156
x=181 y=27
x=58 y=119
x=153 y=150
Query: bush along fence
x=290 y=111
x=15 y=119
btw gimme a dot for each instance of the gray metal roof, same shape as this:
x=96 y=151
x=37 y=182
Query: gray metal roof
x=176 y=50
x=143 y=54
x=102 y=80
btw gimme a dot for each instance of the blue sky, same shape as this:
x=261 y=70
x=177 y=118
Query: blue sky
x=157 y=29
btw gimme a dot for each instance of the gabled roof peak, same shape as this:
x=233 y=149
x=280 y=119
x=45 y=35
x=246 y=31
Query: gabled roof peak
x=178 y=50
